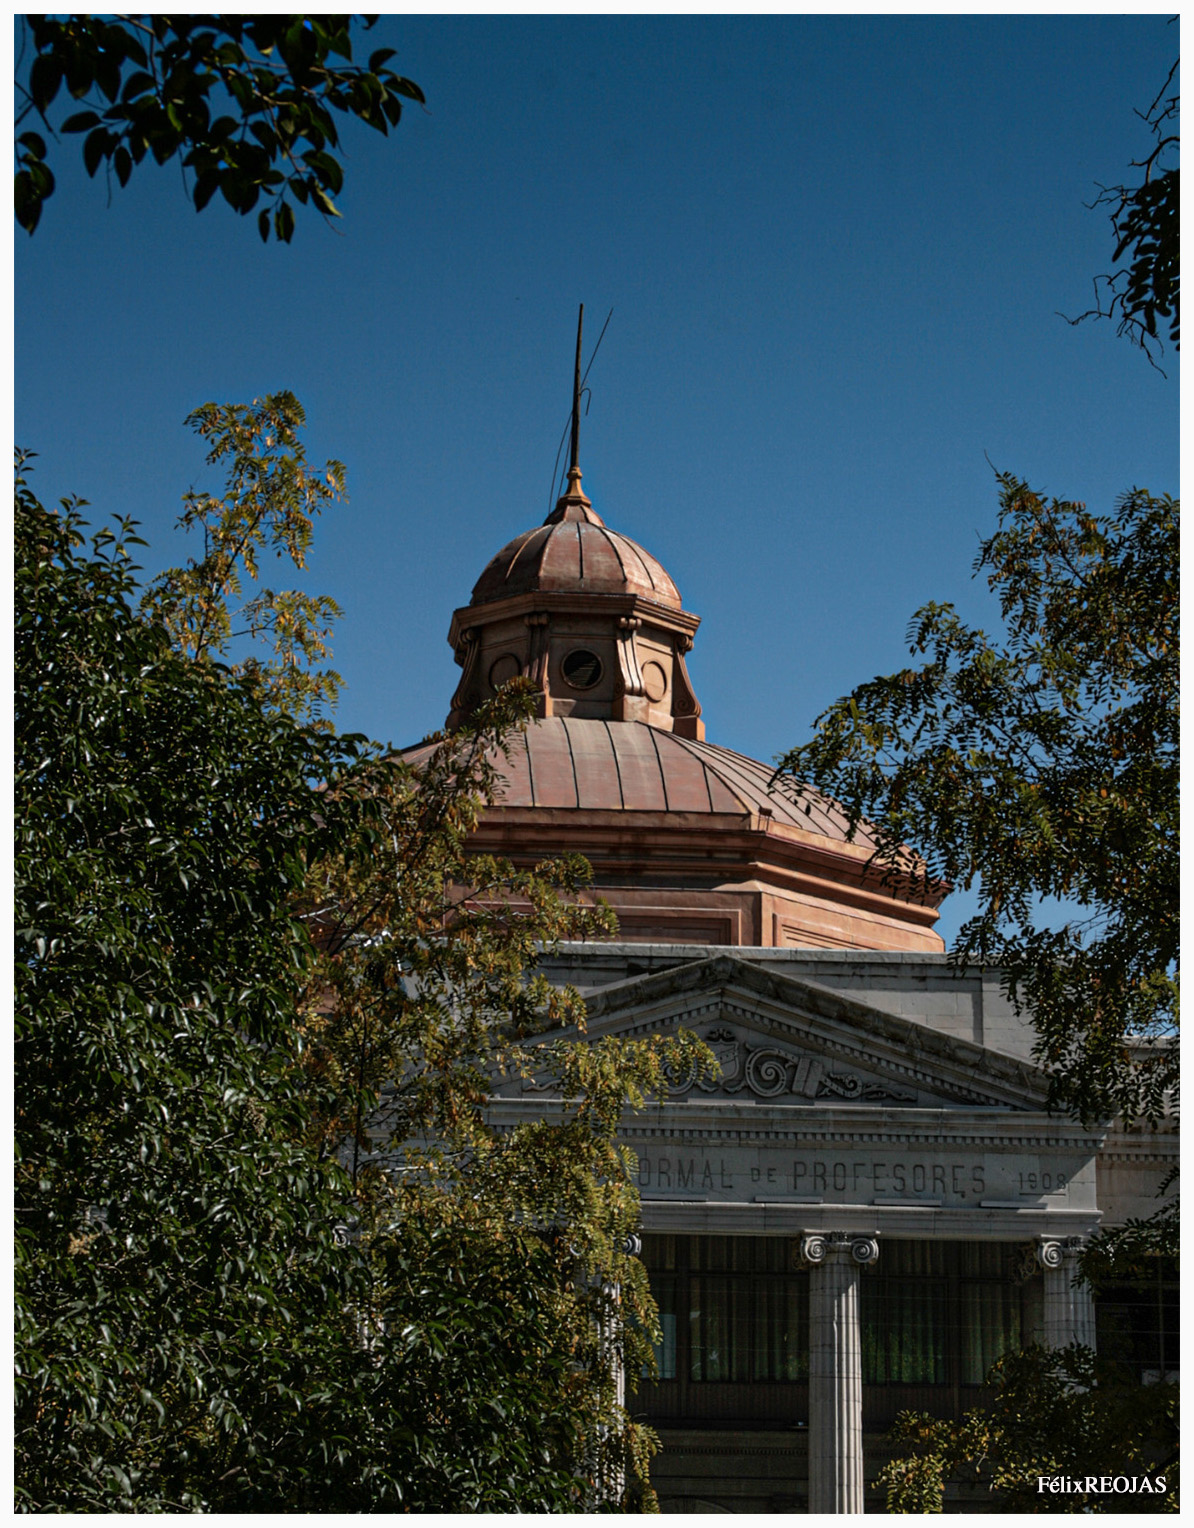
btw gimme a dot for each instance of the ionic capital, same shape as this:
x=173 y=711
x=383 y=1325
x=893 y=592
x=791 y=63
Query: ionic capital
x=817 y=1247
x=1059 y=1251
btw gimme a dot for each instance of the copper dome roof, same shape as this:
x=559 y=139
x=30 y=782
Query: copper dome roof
x=573 y=551
x=596 y=765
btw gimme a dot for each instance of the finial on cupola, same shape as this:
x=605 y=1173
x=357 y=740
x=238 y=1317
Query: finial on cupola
x=574 y=503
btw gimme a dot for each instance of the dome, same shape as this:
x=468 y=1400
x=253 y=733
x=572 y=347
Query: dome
x=597 y=765
x=574 y=552
x=689 y=844
x=589 y=617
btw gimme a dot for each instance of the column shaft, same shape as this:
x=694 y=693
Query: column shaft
x=835 y=1464
x=1069 y=1307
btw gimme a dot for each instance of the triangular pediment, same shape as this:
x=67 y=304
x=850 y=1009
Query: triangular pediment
x=783 y=1040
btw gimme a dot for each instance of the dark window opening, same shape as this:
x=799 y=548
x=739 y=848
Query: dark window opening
x=1137 y=1323
x=734 y=1313
x=581 y=668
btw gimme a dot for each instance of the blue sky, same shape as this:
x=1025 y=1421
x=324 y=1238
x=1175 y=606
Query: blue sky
x=836 y=249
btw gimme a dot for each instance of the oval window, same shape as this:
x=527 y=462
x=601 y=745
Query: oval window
x=582 y=669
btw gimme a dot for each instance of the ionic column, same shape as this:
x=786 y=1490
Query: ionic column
x=834 y=1259
x=1069 y=1307
x=609 y=1477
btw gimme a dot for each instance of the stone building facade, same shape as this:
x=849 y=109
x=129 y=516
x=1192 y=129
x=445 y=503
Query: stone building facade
x=871 y=1202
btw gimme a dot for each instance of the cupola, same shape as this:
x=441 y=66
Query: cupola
x=586 y=614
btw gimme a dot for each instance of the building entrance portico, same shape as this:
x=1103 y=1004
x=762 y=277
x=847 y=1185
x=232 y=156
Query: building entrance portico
x=858 y=1215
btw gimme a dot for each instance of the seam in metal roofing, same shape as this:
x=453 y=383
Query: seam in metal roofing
x=589 y=764
x=574 y=555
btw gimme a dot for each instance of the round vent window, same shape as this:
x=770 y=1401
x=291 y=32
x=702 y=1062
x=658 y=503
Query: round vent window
x=582 y=669
x=654 y=681
x=504 y=669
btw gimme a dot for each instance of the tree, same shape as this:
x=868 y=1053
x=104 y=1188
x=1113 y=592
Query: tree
x=180 y=1297
x=273 y=1254
x=424 y=986
x=270 y=501
x=1040 y=768
x=1146 y=222
x=247 y=103
x=1053 y=1414
x=424 y=998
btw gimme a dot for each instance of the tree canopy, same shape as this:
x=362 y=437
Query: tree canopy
x=270 y=502
x=249 y=104
x=177 y=1277
x=274 y=1254
x=1145 y=295
x=1040 y=768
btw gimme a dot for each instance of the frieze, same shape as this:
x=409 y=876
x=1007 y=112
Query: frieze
x=766 y=1072
x=907 y=1178
x=846 y=1051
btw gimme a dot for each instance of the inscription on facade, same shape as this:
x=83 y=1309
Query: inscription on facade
x=857 y=1178
x=684 y=1173
x=952 y=1181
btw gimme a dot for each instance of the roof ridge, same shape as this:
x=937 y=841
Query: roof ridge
x=613 y=748
x=613 y=538
x=644 y=559
x=526 y=743
x=571 y=760
x=523 y=542
x=659 y=762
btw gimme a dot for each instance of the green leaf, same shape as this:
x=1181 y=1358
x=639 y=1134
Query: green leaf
x=96 y=145
x=205 y=188
x=139 y=83
x=27 y=201
x=45 y=79
x=80 y=122
x=323 y=201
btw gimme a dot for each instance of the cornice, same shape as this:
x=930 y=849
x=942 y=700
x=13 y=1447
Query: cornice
x=633 y=847
x=758 y=1124
x=572 y=602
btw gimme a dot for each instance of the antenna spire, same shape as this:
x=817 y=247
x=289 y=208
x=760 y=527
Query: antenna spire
x=574 y=503
x=574 y=466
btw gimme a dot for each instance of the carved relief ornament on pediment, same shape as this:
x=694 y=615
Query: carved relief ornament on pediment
x=765 y=1071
